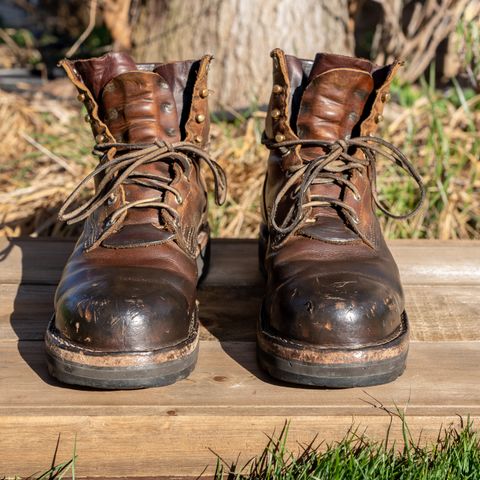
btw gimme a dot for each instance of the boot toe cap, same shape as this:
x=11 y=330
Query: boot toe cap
x=121 y=312
x=335 y=310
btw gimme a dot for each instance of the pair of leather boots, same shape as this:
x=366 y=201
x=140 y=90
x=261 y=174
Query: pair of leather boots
x=126 y=314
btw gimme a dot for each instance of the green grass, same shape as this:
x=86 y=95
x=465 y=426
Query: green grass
x=440 y=133
x=57 y=471
x=455 y=456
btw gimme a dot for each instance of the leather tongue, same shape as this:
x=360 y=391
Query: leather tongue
x=97 y=72
x=324 y=62
x=334 y=99
x=139 y=107
x=332 y=105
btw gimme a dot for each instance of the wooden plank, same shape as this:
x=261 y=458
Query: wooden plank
x=227 y=406
x=441 y=380
x=443 y=312
x=438 y=312
x=234 y=262
x=33 y=260
x=170 y=446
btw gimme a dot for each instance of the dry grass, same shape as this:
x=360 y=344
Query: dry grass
x=46 y=151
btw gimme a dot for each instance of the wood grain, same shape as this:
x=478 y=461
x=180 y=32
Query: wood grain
x=228 y=404
x=421 y=262
x=441 y=379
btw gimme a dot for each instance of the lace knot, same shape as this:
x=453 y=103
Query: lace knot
x=341 y=143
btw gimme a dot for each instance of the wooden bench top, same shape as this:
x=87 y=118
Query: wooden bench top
x=228 y=404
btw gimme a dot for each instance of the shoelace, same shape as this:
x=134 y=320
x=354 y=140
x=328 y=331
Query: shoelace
x=122 y=170
x=333 y=167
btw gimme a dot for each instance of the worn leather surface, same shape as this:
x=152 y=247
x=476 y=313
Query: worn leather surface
x=135 y=288
x=332 y=295
x=97 y=72
x=325 y=285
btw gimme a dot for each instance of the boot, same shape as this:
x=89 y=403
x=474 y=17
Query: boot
x=126 y=314
x=333 y=313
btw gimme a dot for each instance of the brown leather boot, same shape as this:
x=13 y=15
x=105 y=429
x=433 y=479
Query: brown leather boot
x=126 y=314
x=333 y=313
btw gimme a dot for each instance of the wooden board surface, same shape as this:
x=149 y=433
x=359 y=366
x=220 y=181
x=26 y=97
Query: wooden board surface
x=135 y=445
x=227 y=405
x=432 y=262
x=438 y=381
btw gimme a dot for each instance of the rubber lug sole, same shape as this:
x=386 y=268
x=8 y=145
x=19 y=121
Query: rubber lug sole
x=117 y=371
x=334 y=367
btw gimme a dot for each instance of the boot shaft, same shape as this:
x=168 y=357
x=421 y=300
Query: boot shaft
x=320 y=126
x=151 y=127
x=141 y=103
x=328 y=98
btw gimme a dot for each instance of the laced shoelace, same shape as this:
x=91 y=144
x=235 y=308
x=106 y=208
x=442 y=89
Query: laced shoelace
x=122 y=170
x=334 y=167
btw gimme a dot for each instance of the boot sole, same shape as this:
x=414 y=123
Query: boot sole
x=75 y=365
x=330 y=367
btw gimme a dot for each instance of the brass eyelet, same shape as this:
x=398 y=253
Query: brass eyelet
x=277 y=89
x=275 y=113
x=167 y=107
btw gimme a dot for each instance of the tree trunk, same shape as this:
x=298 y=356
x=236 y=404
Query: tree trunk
x=240 y=34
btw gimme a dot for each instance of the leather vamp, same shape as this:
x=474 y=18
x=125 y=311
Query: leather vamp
x=329 y=229
x=138 y=235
